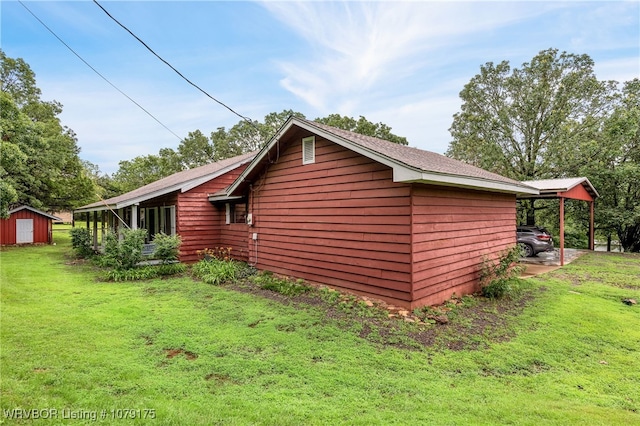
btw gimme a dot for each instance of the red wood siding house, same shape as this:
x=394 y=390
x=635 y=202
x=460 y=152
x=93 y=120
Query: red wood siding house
x=27 y=225
x=177 y=204
x=369 y=216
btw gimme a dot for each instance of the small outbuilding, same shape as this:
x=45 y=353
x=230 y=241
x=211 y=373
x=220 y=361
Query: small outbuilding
x=27 y=225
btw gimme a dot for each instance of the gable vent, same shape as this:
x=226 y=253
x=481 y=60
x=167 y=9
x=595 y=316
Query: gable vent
x=309 y=150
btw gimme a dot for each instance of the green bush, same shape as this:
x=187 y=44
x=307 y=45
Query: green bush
x=81 y=242
x=216 y=271
x=145 y=272
x=498 y=278
x=126 y=253
x=266 y=280
x=167 y=247
x=171 y=269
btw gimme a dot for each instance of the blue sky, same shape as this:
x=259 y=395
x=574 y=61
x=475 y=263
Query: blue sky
x=400 y=63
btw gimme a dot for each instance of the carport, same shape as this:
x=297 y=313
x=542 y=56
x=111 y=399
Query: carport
x=567 y=188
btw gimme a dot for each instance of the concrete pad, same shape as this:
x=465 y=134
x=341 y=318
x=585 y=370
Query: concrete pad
x=531 y=270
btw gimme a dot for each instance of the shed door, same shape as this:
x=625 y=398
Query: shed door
x=24 y=231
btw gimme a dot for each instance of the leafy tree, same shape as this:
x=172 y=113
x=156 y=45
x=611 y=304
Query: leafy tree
x=223 y=145
x=528 y=123
x=519 y=123
x=40 y=161
x=363 y=127
x=611 y=160
x=195 y=150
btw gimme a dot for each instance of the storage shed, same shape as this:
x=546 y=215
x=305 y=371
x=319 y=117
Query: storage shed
x=369 y=216
x=27 y=225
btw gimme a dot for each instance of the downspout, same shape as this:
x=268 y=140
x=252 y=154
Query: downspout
x=411 y=258
x=561 y=231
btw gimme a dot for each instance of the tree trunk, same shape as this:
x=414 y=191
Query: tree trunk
x=531 y=213
x=630 y=238
x=608 y=243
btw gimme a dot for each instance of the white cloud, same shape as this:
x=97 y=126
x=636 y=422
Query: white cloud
x=355 y=47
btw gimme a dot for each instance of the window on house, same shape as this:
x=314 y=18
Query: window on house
x=309 y=150
x=168 y=220
x=236 y=213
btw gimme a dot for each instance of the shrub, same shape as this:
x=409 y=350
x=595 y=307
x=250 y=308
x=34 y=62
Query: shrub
x=81 y=242
x=287 y=287
x=167 y=247
x=497 y=278
x=217 y=271
x=144 y=272
x=171 y=269
x=126 y=253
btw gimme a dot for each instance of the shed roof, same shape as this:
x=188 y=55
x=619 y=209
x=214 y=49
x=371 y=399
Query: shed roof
x=47 y=215
x=182 y=181
x=408 y=164
x=551 y=187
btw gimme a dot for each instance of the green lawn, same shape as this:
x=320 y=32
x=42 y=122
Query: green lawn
x=192 y=353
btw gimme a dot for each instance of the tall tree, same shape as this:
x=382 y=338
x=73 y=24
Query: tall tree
x=195 y=150
x=611 y=161
x=519 y=123
x=40 y=161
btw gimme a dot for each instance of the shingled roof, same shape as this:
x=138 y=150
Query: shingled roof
x=408 y=164
x=181 y=181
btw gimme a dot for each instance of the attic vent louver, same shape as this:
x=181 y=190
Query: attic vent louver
x=309 y=150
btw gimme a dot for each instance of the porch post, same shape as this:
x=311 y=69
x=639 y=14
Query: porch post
x=120 y=223
x=134 y=216
x=561 y=231
x=592 y=242
x=103 y=219
x=95 y=230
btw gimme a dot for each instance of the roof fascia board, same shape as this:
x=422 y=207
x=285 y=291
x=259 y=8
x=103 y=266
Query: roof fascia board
x=461 y=181
x=220 y=198
x=17 y=209
x=95 y=209
x=590 y=187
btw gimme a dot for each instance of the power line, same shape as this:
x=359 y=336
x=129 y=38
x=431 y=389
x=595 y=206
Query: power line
x=248 y=120
x=97 y=72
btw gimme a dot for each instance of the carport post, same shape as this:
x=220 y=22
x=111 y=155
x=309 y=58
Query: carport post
x=592 y=242
x=561 y=231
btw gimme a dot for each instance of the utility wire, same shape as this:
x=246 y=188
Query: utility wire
x=248 y=120
x=97 y=72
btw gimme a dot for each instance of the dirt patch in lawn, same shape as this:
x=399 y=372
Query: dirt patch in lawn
x=172 y=353
x=468 y=323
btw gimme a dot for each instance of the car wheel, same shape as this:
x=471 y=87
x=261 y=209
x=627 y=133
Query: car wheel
x=527 y=250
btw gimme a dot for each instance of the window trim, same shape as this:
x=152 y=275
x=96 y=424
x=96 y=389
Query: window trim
x=306 y=159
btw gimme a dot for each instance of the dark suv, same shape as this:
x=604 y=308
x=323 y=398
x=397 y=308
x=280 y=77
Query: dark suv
x=533 y=240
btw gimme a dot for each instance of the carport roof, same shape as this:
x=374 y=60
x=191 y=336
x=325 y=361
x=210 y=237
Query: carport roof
x=551 y=188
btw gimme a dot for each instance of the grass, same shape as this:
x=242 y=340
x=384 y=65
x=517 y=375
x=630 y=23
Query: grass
x=202 y=354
